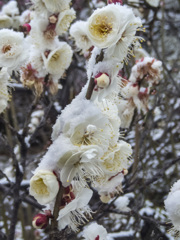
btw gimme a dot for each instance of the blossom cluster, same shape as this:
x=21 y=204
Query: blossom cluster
x=145 y=75
x=31 y=46
x=87 y=147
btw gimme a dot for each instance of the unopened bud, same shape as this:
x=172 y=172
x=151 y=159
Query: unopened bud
x=125 y=172
x=115 y=1
x=97 y=238
x=102 y=80
x=53 y=19
x=40 y=221
x=105 y=198
x=26 y=28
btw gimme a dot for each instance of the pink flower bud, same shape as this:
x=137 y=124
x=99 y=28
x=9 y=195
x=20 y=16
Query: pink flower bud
x=27 y=27
x=40 y=221
x=115 y=1
x=102 y=80
x=124 y=172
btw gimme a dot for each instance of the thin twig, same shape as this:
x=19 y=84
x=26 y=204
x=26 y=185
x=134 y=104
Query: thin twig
x=91 y=82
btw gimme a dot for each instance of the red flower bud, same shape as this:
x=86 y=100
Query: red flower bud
x=27 y=27
x=115 y=1
x=40 y=221
x=97 y=238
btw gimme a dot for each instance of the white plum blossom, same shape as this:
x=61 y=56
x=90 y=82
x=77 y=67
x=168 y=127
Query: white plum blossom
x=59 y=59
x=64 y=20
x=55 y=6
x=172 y=206
x=75 y=213
x=12 y=49
x=110 y=109
x=113 y=26
x=94 y=231
x=44 y=186
x=116 y=159
x=95 y=130
x=78 y=31
x=40 y=35
x=104 y=26
x=80 y=165
x=4 y=95
x=148 y=68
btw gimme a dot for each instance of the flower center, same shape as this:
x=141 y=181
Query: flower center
x=84 y=38
x=40 y=187
x=88 y=135
x=55 y=56
x=101 y=27
x=6 y=48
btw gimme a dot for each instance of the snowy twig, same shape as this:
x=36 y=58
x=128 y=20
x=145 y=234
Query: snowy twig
x=91 y=82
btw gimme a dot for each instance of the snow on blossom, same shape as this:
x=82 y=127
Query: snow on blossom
x=76 y=212
x=109 y=67
x=4 y=95
x=44 y=186
x=10 y=9
x=60 y=149
x=94 y=231
x=79 y=32
x=121 y=204
x=64 y=20
x=172 y=206
x=13 y=49
x=90 y=128
x=148 y=68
